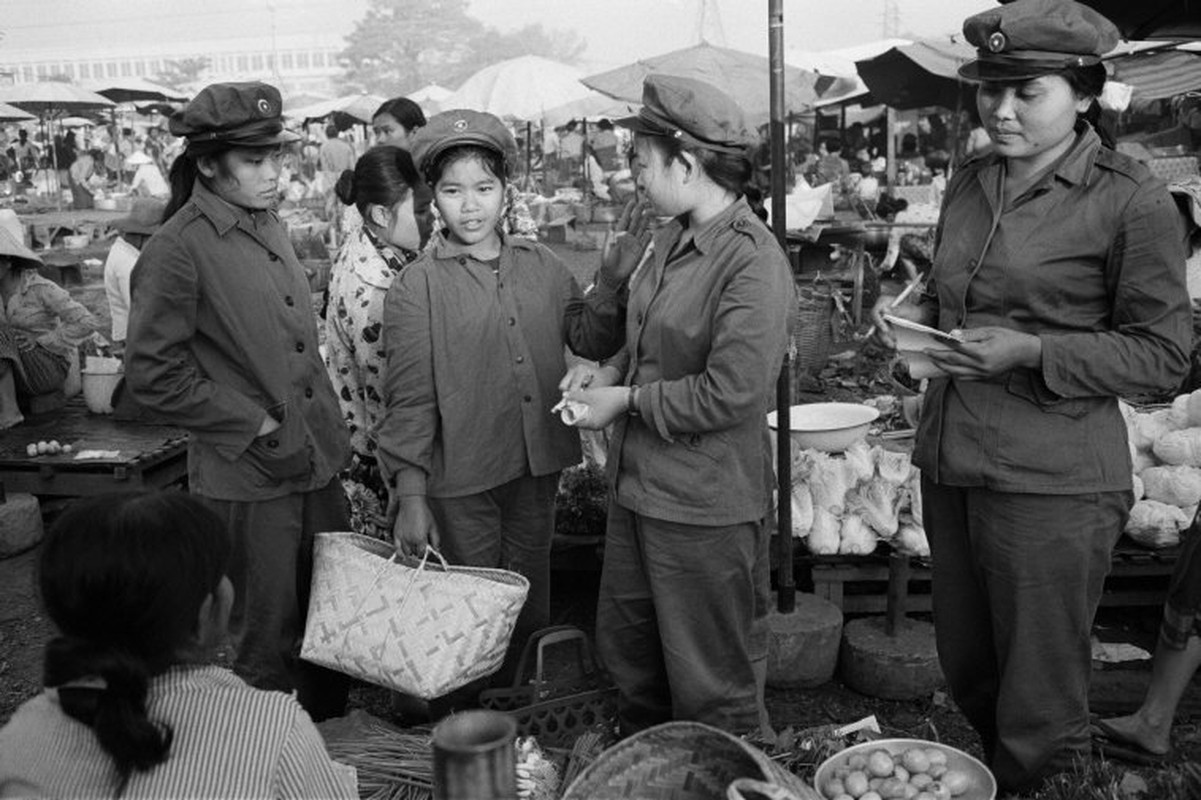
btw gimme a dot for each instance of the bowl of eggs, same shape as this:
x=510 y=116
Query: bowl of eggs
x=913 y=769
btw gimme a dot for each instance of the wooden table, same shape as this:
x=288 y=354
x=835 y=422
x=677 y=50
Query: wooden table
x=70 y=220
x=148 y=456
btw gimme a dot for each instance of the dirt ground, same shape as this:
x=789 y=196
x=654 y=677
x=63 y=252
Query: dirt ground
x=24 y=630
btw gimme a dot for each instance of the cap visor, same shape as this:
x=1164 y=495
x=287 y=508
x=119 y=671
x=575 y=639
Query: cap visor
x=640 y=124
x=980 y=70
x=266 y=140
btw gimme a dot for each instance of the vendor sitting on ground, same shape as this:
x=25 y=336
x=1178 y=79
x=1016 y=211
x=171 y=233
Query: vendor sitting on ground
x=40 y=325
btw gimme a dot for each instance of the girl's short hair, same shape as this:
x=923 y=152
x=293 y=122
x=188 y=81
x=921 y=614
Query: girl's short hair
x=493 y=161
x=123 y=577
x=403 y=110
x=730 y=171
x=382 y=176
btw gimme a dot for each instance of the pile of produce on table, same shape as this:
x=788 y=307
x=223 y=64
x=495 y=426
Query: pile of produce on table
x=848 y=503
x=1165 y=450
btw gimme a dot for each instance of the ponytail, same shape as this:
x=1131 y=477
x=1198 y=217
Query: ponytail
x=124 y=578
x=185 y=172
x=182 y=178
x=114 y=706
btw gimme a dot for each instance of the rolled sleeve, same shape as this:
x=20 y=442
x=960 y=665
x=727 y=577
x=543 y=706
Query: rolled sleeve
x=1147 y=350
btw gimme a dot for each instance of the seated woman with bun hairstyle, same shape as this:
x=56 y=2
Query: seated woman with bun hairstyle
x=136 y=586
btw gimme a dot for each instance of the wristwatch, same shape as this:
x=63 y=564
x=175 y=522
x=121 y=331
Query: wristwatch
x=632 y=402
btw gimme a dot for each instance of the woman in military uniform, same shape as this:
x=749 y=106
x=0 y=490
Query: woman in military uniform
x=222 y=341
x=684 y=577
x=1062 y=262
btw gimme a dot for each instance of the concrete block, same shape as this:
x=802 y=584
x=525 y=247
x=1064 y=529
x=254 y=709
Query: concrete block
x=20 y=524
x=900 y=667
x=803 y=645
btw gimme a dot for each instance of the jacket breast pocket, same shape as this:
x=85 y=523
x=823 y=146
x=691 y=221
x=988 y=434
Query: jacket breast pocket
x=283 y=455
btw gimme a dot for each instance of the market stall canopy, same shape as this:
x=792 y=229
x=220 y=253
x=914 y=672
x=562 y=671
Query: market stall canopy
x=356 y=107
x=13 y=114
x=1157 y=75
x=136 y=90
x=523 y=87
x=924 y=73
x=744 y=76
x=1152 y=19
x=52 y=98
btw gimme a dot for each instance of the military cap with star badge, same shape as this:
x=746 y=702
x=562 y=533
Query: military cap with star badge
x=240 y=114
x=1029 y=38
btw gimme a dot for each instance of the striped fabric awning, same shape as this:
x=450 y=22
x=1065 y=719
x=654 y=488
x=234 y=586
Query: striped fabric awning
x=1158 y=75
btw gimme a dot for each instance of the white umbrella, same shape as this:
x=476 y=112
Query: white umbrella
x=359 y=106
x=523 y=88
x=430 y=92
x=594 y=106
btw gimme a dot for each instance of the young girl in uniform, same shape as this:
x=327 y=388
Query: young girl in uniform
x=137 y=586
x=474 y=332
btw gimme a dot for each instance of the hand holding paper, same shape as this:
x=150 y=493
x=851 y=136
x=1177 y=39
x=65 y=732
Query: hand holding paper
x=913 y=339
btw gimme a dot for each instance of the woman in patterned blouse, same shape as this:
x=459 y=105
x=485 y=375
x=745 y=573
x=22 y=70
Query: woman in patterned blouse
x=395 y=206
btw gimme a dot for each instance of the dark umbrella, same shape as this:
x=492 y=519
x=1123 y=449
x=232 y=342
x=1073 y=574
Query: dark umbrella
x=920 y=74
x=137 y=90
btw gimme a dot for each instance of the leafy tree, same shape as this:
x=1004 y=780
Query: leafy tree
x=402 y=45
x=179 y=73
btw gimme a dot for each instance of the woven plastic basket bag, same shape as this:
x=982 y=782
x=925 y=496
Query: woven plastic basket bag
x=686 y=761
x=424 y=630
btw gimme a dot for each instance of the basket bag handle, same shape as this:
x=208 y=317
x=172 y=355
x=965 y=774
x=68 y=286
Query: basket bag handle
x=542 y=639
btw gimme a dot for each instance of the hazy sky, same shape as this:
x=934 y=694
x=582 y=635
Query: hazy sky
x=617 y=31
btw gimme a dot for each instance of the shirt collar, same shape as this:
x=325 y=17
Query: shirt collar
x=443 y=249
x=704 y=236
x=1074 y=167
x=222 y=214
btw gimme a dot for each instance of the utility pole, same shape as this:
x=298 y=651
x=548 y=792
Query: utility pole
x=892 y=20
x=708 y=24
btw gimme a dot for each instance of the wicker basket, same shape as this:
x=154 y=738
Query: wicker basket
x=558 y=712
x=424 y=630
x=682 y=761
x=813 y=326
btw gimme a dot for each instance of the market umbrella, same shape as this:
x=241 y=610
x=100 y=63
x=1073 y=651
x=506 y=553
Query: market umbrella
x=743 y=76
x=53 y=100
x=924 y=73
x=593 y=107
x=13 y=114
x=136 y=90
x=346 y=111
x=523 y=88
x=76 y=122
x=430 y=93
